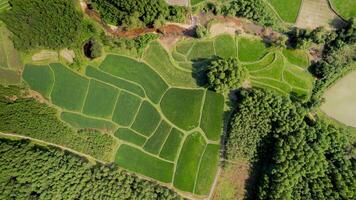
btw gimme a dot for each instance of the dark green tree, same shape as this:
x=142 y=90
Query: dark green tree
x=225 y=74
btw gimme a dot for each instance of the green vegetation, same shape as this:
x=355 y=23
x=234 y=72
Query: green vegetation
x=100 y=100
x=188 y=162
x=92 y=48
x=287 y=10
x=147 y=119
x=60 y=26
x=127 y=106
x=225 y=74
x=130 y=136
x=172 y=145
x=68 y=85
x=201 y=31
x=133 y=159
x=208 y=165
x=27 y=117
x=296 y=156
x=80 y=121
x=345 y=8
x=138 y=72
x=251 y=49
x=155 y=142
x=212 y=116
x=4 y=5
x=138 y=13
x=297 y=57
x=222 y=45
x=195 y=2
x=39 y=78
x=68 y=175
x=182 y=107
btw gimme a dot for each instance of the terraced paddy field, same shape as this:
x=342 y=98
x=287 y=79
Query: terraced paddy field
x=163 y=131
x=281 y=70
x=286 y=9
x=345 y=8
x=4 y=5
x=340 y=100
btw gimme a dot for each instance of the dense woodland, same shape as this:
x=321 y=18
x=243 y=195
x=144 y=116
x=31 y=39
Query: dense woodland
x=138 y=13
x=50 y=24
x=29 y=171
x=296 y=157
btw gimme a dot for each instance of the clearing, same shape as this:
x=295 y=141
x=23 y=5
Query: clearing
x=340 y=100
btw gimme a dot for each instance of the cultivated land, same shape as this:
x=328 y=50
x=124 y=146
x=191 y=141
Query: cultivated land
x=340 y=100
x=345 y=8
x=281 y=70
x=287 y=9
x=156 y=125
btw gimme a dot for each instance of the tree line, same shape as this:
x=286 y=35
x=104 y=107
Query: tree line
x=29 y=171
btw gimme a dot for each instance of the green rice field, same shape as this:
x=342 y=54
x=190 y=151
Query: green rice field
x=287 y=9
x=156 y=124
x=345 y=8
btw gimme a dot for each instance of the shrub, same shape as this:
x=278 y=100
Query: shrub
x=225 y=74
x=201 y=31
x=92 y=48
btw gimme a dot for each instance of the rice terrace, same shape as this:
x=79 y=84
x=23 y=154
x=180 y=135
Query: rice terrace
x=177 y=99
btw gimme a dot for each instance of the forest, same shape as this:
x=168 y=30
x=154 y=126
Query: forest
x=295 y=156
x=30 y=171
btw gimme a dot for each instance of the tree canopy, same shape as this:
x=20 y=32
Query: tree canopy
x=224 y=74
x=50 y=24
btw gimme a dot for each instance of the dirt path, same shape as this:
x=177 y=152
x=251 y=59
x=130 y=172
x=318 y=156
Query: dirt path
x=316 y=13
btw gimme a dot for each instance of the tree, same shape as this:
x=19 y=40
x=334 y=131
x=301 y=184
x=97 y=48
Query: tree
x=225 y=74
x=201 y=31
x=50 y=24
x=93 y=48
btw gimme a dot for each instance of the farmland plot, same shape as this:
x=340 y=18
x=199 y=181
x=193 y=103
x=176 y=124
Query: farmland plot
x=155 y=125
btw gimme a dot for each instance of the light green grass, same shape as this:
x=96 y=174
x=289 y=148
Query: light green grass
x=69 y=88
x=207 y=170
x=39 y=78
x=212 y=115
x=302 y=78
x=100 y=100
x=172 y=145
x=147 y=119
x=137 y=161
x=202 y=50
x=118 y=82
x=287 y=9
x=225 y=46
x=297 y=57
x=195 y=2
x=80 y=121
x=137 y=72
x=126 y=108
x=276 y=84
x=130 y=136
x=185 y=47
x=8 y=52
x=250 y=49
x=154 y=144
x=179 y=57
x=345 y=8
x=274 y=70
x=264 y=62
x=182 y=107
x=159 y=59
x=188 y=162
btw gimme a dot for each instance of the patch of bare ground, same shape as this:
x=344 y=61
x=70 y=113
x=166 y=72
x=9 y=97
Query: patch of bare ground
x=168 y=42
x=45 y=55
x=68 y=55
x=316 y=13
x=178 y=2
x=232 y=181
x=227 y=27
x=37 y=96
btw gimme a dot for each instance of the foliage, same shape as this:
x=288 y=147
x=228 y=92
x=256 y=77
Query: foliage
x=68 y=175
x=28 y=117
x=225 y=74
x=338 y=58
x=93 y=49
x=201 y=31
x=297 y=157
x=137 y=13
x=255 y=10
x=50 y=24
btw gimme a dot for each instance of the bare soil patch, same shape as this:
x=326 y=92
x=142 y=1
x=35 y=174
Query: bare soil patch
x=68 y=55
x=232 y=182
x=45 y=55
x=178 y=2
